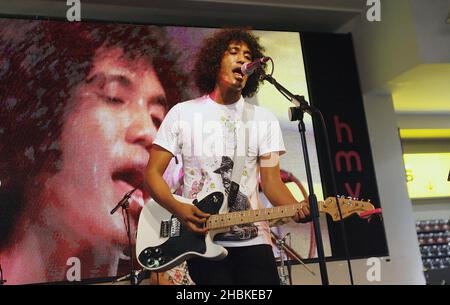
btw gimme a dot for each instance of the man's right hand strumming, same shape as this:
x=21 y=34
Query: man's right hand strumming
x=192 y=217
x=189 y=215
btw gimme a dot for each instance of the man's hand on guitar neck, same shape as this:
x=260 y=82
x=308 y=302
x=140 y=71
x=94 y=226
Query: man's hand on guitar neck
x=192 y=217
x=276 y=190
x=303 y=215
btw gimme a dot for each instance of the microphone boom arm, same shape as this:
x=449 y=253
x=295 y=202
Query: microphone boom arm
x=123 y=201
x=297 y=100
x=291 y=252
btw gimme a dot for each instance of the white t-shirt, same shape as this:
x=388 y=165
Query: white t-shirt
x=203 y=133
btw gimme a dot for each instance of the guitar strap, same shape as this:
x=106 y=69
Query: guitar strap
x=240 y=151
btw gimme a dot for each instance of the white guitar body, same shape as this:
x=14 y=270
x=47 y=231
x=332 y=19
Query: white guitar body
x=162 y=243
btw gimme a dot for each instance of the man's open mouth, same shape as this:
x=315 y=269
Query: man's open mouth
x=238 y=73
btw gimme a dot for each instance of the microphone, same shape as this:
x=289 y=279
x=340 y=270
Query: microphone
x=123 y=200
x=250 y=67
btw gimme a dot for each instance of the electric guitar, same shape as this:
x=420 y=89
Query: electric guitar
x=163 y=243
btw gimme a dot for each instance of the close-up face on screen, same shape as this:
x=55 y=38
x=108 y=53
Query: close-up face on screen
x=81 y=105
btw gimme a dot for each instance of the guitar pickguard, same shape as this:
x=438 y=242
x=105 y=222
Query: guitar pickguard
x=181 y=242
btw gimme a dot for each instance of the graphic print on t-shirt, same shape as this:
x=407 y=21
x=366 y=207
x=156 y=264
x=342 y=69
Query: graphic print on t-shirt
x=201 y=132
x=237 y=232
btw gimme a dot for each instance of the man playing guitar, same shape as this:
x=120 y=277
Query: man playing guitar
x=211 y=120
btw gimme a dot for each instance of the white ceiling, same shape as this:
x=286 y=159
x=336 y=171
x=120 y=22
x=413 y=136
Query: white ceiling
x=423 y=89
x=298 y=15
x=343 y=5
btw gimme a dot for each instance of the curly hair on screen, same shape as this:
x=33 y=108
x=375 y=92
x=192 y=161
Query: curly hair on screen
x=208 y=59
x=41 y=62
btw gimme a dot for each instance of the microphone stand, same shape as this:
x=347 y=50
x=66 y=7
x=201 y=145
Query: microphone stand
x=296 y=114
x=281 y=245
x=135 y=276
x=2 y=281
x=124 y=204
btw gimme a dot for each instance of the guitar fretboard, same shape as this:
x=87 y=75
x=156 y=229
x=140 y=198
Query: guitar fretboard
x=235 y=218
x=348 y=207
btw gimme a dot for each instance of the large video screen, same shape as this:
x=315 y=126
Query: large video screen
x=80 y=106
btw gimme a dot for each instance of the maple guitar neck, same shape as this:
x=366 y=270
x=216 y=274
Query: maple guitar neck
x=219 y=221
x=348 y=207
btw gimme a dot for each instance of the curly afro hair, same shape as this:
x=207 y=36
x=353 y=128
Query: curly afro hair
x=208 y=59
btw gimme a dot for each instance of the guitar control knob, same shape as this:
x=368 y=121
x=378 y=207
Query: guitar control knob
x=152 y=263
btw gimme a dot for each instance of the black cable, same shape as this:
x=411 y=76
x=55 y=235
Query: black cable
x=289 y=265
x=305 y=107
x=262 y=73
x=273 y=66
x=334 y=192
x=296 y=114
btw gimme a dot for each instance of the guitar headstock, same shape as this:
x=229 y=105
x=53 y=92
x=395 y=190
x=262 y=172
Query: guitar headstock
x=348 y=207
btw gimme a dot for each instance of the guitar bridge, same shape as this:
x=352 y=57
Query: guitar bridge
x=170 y=228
